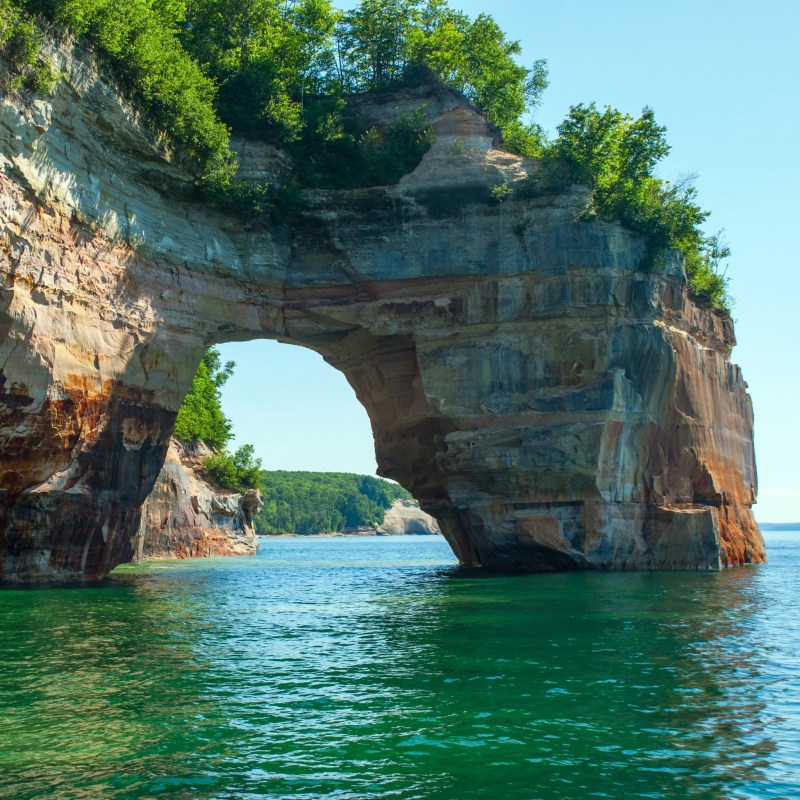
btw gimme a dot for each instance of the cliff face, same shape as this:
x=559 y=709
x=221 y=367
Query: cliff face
x=552 y=405
x=186 y=517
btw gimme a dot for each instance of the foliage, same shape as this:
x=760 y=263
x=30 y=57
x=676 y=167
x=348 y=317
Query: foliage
x=200 y=417
x=266 y=56
x=501 y=192
x=389 y=154
x=706 y=273
x=22 y=68
x=139 y=39
x=258 y=65
x=525 y=140
x=242 y=199
x=343 y=153
x=382 y=44
x=238 y=471
x=616 y=156
x=282 y=70
x=317 y=502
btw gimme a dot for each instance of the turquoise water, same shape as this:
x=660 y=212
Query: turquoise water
x=372 y=668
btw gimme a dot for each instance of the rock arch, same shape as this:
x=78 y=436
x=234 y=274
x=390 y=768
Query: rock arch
x=550 y=403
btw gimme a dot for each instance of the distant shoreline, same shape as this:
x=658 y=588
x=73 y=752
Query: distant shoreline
x=779 y=526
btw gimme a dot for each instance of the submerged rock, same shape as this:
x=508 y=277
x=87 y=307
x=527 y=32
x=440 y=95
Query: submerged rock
x=185 y=516
x=552 y=404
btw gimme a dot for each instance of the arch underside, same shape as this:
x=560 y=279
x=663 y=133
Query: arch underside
x=553 y=406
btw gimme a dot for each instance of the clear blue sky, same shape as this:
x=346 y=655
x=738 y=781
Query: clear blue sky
x=724 y=77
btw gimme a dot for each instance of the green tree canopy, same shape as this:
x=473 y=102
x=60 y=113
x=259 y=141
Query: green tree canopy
x=237 y=471
x=281 y=70
x=616 y=155
x=200 y=417
x=382 y=44
x=21 y=66
x=319 y=502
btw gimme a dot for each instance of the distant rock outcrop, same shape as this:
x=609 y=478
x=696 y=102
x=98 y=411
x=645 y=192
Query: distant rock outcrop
x=406 y=517
x=185 y=516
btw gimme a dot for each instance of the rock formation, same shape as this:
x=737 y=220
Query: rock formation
x=185 y=516
x=553 y=405
x=405 y=517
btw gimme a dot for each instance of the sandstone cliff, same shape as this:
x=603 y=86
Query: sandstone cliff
x=405 y=517
x=187 y=517
x=402 y=518
x=553 y=405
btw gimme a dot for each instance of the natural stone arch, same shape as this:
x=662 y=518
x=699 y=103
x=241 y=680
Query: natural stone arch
x=553 y=405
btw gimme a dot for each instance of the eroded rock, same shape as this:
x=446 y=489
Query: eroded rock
x=550 y=403
x=185 y=516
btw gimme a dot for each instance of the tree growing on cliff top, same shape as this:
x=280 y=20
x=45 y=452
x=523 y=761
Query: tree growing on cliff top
x=616 y=156
x=200 y=417
x=237 y=471
x=22 y=69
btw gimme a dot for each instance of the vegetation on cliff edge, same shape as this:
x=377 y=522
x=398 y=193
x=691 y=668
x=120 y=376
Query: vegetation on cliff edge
x=616 y=156
x=22 y=68
x=201 y=418
x=282 y=71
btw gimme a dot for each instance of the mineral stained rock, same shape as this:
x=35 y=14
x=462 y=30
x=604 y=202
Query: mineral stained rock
x=185 y=516
x=551 y=403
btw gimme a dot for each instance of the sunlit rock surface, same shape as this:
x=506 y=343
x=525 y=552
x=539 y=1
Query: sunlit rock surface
x=186 y=516
x=406 y=518
x=552 y=405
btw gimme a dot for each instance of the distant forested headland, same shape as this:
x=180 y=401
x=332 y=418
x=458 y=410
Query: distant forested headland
x=315 y=502
x=284 y=71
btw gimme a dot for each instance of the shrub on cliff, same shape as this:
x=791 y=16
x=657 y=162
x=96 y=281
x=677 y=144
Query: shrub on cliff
x=261 y=66
x=281 y=71
x=344 y=153
x=201 y=418
x=237 y=471
x=22 y=68
x=383 y=44
x=139 y=40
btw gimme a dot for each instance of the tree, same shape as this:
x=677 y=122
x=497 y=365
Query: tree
x=279 y=70
x=373 y=42
x=200 y=417
x=22 y=67
x=238 y=471
x=616 y=156
x=266 y=55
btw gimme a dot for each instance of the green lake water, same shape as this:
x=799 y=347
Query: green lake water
x=373 y=668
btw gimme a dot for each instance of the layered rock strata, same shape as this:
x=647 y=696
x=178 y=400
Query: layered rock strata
x=185 y=516
x=553 y=405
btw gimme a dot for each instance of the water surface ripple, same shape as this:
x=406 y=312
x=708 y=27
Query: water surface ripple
x=372 y=668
